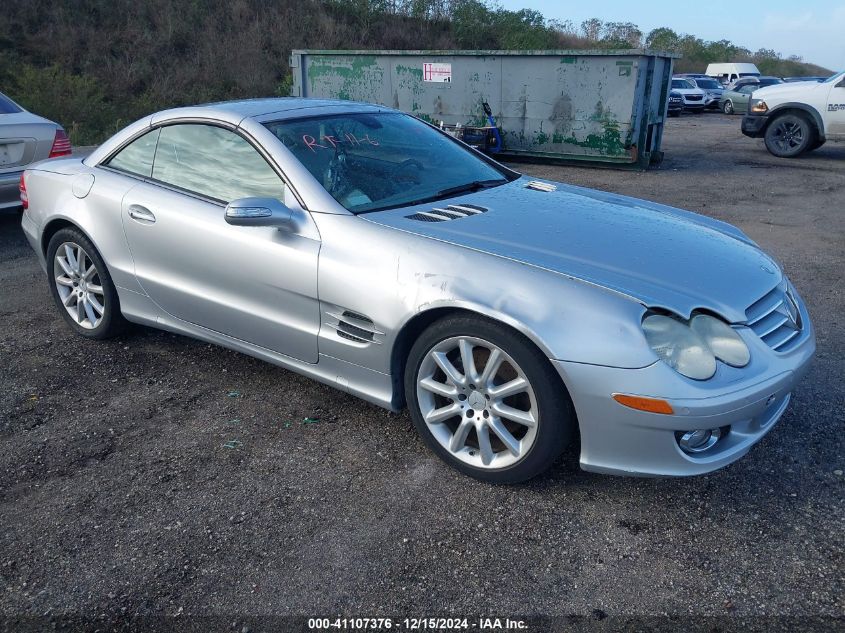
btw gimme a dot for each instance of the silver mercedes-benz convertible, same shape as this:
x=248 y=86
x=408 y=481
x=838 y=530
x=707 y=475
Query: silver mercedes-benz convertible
x=372 y=251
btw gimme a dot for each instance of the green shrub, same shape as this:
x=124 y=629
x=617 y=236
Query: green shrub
x=77 y=102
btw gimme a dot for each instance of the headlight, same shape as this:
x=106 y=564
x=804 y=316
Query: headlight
x=722 y=340
x=692 y=348
x=679 y=347
x=759 y=106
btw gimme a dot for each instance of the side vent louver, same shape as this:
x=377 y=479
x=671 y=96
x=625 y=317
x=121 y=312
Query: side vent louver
x=536 y=185
x=353 y=326
x=451 y=212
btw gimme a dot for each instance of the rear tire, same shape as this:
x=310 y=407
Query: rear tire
x=82 y=286
x=503 y=437
x=790 y=135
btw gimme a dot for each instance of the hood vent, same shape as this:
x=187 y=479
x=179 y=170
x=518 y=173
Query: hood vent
x=353 y=326
x=452 y=212
x=536 y=185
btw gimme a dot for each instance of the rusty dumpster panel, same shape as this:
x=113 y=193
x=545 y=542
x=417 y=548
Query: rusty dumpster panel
x=594 y=106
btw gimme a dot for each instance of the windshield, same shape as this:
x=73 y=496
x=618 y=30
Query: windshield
x=7 y=106
x=683 y=84
x=749 y=74
x=369 y=162
x=708 y=83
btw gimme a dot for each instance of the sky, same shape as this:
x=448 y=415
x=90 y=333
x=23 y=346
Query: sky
x=813 y=29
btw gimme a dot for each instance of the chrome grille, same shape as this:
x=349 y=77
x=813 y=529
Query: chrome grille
x=776 y=319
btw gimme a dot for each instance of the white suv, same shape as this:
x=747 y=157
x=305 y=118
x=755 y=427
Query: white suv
x=797 y=117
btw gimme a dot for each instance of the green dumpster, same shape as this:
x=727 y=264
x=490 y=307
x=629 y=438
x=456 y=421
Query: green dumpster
x=590 y=106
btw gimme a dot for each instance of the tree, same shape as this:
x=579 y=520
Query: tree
x=621 y=35
x=472 y=23
x=592 y=28
x=663 y=39
x=767 y=53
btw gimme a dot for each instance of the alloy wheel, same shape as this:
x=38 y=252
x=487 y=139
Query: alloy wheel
x=788 y=135
x=477 y=402
x=79 y=286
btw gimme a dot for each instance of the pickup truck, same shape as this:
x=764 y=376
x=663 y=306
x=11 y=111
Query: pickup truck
x=797 y=117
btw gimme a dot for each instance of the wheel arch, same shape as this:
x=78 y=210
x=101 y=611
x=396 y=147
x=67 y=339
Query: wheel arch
x=413 y=327
x=797 y=108
x=54 y=226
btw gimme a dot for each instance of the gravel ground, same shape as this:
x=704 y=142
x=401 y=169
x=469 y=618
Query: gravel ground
x=154 y=475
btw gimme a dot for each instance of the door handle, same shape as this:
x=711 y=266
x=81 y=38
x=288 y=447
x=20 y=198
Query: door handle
x=141 y=214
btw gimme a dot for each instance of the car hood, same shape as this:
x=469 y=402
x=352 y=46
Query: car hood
x=658 y=255
x=796 y=89
x=689 y=91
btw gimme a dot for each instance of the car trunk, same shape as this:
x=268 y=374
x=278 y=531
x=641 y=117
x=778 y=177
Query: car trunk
x=24 y=138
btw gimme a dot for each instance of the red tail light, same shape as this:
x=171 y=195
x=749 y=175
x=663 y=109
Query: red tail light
x=61 y=145
x=24 y=195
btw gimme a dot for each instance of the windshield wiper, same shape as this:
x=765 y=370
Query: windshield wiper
x=469 y=187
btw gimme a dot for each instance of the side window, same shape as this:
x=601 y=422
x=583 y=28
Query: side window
x=137 y=157
x=213 y=162
x=748 y=89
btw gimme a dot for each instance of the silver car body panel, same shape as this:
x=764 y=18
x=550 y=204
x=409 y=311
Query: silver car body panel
x=574 y=270
x=599 y=237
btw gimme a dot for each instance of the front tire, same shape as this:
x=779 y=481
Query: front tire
x=486 y=400
x=82 y=286
x=790 y=135
x=728 y=107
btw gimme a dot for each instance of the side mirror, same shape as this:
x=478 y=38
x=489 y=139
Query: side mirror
x=260 y=212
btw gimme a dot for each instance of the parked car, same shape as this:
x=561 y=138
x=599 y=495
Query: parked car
x=760 y=82
x=372 y=251
x=25 y=138
x=735 y=101
x=693 y=97
x=713 y=90
x=794 y=118
x=726 y=73
x=676 y=103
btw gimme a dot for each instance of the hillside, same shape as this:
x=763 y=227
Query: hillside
x=96 y=65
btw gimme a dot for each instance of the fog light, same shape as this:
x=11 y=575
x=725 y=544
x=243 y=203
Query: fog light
x=699 y=440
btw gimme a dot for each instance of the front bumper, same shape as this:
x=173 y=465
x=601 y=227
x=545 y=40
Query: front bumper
x=619 y=440
x=754 y=125
x=711 y=102
x=10 y=195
